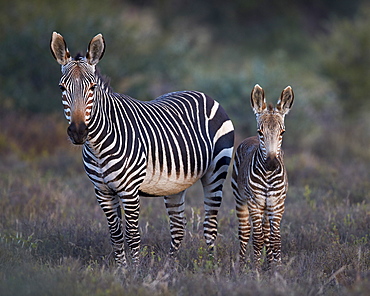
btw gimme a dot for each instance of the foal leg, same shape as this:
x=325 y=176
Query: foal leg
x=258 y=237
x=275 y=215
x=244 y=229
x=266 y=237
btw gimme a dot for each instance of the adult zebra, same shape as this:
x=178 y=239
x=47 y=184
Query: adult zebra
x=259 y=178
x=131 y=147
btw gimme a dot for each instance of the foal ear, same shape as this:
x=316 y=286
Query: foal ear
x=258 y=101
x=59 y=49
x=95 y=50
x=286 y=100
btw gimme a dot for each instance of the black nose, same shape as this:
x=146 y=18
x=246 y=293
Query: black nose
x=272 y=163
x=77 y=132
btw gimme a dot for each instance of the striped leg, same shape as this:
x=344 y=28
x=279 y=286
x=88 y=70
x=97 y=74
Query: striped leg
x=213 y=182
x=111 y=208
x=275 y=236
x=175 y=206
x=276 y=241
x=131 y=206
x=212 y=188
x=266 y=236
x=242 y=212
x=258 y=240
x=211 y=206
x=244 y=228
x=275 y=210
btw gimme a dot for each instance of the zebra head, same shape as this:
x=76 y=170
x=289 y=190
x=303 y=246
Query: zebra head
x=78 y=83
x=270 y=123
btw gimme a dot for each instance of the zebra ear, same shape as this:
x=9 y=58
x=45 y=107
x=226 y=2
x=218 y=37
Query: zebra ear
x=95 y=50
x=286 y=100
x=258 y=101
x=59 y=49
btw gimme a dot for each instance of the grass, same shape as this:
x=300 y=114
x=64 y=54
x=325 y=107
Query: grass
x=54 y=239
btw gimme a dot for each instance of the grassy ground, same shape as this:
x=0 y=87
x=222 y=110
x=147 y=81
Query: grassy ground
x=54 y=239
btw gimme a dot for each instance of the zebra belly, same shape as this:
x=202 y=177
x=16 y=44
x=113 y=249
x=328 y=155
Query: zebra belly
x=164 y=184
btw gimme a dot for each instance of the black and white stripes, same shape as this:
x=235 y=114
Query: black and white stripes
x=259 y=179
x=131 y=147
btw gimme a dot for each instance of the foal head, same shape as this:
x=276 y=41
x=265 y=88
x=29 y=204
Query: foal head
x=270 y=123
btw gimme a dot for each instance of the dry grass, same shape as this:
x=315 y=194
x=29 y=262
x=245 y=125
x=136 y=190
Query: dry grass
x=54 y=239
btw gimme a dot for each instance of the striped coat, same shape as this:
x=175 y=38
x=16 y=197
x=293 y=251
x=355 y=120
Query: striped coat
x=132 y=148
x=259 y=179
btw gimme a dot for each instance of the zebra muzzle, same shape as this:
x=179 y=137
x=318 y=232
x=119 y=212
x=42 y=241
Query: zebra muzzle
x=272 y=163
x=77 y=133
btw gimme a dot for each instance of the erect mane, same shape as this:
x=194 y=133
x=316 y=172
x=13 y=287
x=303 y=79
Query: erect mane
x=270 y=107
x=103 y=80
x=79 y=56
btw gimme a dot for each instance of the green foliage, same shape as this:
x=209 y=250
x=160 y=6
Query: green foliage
x=344 y=58
x=30 y=76
x=307 y=195
x=265 y=25
x=155 y=58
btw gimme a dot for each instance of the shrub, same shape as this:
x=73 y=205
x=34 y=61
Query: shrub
x=344 y=58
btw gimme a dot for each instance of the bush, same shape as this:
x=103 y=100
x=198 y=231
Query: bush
x=344 y=58
x=30 y=75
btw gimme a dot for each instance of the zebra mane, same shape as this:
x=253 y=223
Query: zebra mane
x=79 y=56
x=270 y=107
x=103 y=81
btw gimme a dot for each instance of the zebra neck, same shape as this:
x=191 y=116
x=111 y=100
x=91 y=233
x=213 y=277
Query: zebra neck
x=108 y=125
x=259 y=163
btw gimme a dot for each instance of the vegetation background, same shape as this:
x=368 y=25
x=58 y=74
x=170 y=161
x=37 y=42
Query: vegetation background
x=53 y=236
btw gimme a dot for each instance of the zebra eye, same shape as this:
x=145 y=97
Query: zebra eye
x=260 y=133
x=93 y=86
x=282 y=133
x=62 y=88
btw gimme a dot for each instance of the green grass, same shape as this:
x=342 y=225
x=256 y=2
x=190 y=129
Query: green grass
x=54 y=239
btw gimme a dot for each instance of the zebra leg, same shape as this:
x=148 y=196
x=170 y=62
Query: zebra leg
x=276 y=240
x=258 y=238
x=213 y=180
x=275 y=214
x=242 y=213
x=212 y=187
x=175 y=206
x=132 y=235
x=266 y=228
x=110 y=206
x=244 y=229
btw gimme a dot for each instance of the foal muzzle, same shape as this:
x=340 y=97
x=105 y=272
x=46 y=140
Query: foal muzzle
x=272 y=163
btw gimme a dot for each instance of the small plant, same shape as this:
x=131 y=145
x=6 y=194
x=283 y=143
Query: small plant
x=307 y=195
x=18 y=240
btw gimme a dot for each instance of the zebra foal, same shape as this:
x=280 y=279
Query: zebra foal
x=259 y=178
x=131 y=148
